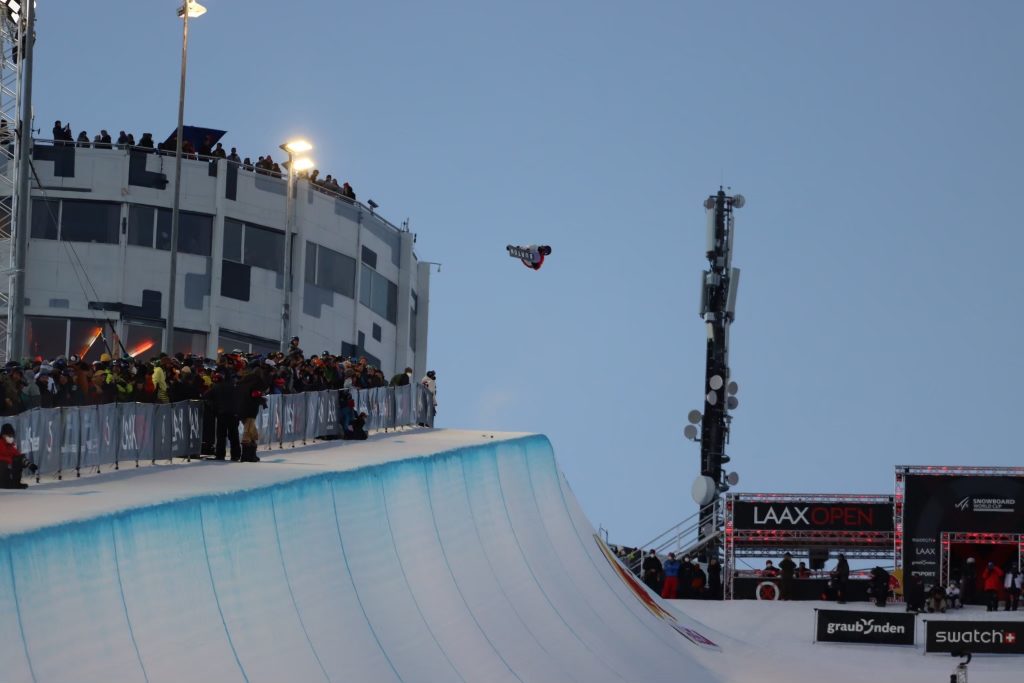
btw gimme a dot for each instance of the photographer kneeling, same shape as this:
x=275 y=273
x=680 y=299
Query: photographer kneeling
x=12 y=462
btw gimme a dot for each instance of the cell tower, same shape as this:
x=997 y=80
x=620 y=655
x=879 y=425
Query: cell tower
x=718 y=288
x=16 y=26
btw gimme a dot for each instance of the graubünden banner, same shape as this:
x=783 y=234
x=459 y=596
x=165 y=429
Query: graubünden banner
x=796 y=516
x=877 y=628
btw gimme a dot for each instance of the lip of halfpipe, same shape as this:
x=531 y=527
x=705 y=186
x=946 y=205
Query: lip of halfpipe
x=464 y=559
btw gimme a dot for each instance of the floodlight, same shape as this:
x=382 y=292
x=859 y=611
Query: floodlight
x=738 y=201
x=372 y=204
x=296 y=146
x=303 y=164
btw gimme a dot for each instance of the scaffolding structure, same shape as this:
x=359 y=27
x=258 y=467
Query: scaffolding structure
x=11 y=40
x=902 y=471
x=759 y=542
x=976 y=538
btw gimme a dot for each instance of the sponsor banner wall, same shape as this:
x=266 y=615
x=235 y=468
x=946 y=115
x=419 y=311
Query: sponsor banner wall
x=976 y=637
x=876 y=628
x=937 y=503
x=795 y=516
x=60 y=440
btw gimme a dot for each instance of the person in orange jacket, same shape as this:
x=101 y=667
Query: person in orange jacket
x=992 y=576
x=12 y=462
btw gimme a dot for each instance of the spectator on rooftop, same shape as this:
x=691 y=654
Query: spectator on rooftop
x=105 y=139
x=206 y=147
x=122 y=140
x=146 y=141
x=83 y=139
x=218 y=152
x=233 y=157
x=131 y=139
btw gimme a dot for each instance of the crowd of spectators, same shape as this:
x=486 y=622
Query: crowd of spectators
x=165 y=378
x=207 y=151
x=673 y=578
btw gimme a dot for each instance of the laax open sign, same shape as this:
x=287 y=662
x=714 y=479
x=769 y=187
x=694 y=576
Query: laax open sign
x=813 y=516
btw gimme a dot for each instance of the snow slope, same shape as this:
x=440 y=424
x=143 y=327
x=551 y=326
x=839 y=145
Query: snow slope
x=419 y=556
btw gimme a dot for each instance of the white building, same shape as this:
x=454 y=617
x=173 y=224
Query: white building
x=99 y=252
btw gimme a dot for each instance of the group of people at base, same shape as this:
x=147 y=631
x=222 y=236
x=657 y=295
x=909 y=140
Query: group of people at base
x=682 y=578
x=12 y=462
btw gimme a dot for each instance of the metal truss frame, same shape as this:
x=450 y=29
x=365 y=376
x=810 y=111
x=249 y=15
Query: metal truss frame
x=948 y=538
x=935 y=471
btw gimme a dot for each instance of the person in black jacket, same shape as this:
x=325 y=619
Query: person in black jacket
x=840 y=575
x=913 y=594
x=879 y=586
x=223 y=405
x=249 y=392
x=652 y=572
x=787 y=568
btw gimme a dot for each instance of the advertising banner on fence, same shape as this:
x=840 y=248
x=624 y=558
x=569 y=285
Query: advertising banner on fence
x=976 y=637
x=796 y=516
x=876 y=628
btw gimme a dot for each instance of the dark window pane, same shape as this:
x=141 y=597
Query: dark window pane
x=190 y=342
x=376 y=331
x=365 y=281
x=195 y=232
x=379 y=295
x=226 y=344
x=90 y=221
x=232 y=240
x=44 y=218
x=412 y=330
x=370 y=257
x=140 y=226
x=46 y=337
x=143 y=341
x=310 y=274
x=336 y=272
x=264 y=248
x=392 y=308
x=87 y=340
x=234 y=280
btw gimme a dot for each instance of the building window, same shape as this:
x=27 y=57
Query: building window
x=143 y=340
x=46 y=337
x=254 y=245
x=379 y=294
x=370 y=257
x=149 y=226
x=330 y=269
x=414 y=310
x=45 y=218
x=376 y=332
x=229 y=341
x=187 y=341
x=82 y=221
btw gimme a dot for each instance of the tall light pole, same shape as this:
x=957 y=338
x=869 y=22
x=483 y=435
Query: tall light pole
x=296 y=165
x=190 y=10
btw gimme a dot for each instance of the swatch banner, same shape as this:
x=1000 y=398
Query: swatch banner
x=976 y=637
x=877 y=628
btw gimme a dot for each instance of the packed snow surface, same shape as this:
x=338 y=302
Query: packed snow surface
x=422 y=555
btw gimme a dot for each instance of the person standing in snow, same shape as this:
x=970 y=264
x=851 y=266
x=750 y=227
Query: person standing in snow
x=787 y=568
x=993 y=581
x=652 y=571
x=840 y=575
x=671 y=569
x=1012 y=584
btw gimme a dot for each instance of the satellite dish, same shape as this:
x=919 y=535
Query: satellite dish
x=703 y=490
x=690 y=432
x=738 y=201
x=733 y=388
x=712 y=398
x=694 y=417
x=732 y=478
x=732 y=402
x=715 y=382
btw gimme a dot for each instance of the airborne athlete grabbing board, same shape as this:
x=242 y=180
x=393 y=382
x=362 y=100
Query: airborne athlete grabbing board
x=531 y=256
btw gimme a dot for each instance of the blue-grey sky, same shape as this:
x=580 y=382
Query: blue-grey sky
x=878 y=144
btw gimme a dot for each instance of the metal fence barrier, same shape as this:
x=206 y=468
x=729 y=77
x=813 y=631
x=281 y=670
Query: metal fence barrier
x=65 y=440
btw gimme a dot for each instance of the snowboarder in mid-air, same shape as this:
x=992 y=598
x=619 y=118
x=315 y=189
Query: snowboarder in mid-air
x=531 y=256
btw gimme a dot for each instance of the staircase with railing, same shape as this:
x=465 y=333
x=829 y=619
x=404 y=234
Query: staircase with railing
x=685 y=538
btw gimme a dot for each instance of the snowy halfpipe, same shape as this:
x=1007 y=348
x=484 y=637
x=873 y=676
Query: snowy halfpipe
x=435 y=556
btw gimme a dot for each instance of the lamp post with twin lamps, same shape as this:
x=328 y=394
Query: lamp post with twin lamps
x=296 y=165
x=190 y=10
